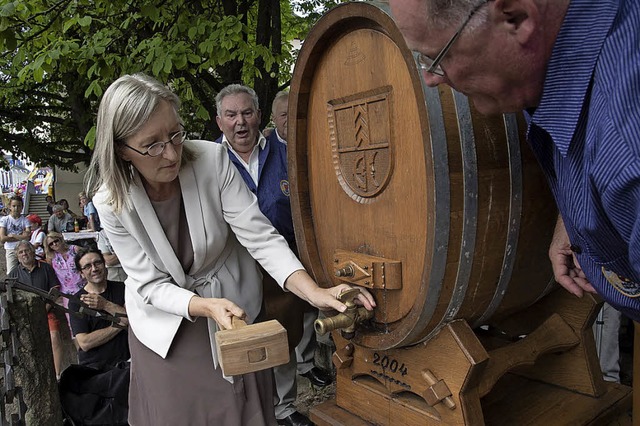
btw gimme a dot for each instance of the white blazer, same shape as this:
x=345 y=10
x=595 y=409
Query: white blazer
x=223 y=216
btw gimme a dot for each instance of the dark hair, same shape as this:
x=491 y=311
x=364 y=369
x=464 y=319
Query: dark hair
x=16 y=198
x=82 y=252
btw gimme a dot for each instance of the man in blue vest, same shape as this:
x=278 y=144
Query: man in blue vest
x=262 y=164
x=305 y=351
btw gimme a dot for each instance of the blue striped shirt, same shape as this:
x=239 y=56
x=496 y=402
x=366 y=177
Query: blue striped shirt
x=586 y=134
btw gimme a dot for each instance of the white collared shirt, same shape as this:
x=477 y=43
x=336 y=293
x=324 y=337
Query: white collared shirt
x=279 y=138
x=253 y=165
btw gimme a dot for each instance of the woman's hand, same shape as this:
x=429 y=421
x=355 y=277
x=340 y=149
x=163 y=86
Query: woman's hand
x=220 y=310
x=327 y=298
x=566 y=269
x=301 y=284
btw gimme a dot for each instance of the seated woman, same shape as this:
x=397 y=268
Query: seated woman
x=65 y=205
x=62 y=257
x=186 y=230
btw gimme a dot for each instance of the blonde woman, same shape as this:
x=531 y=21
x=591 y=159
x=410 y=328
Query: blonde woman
x=186 y=230
x=61 y=257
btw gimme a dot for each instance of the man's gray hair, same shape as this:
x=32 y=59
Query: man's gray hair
x=27 y=244
x=234 y=89
x=282 y=95
x=445 y=13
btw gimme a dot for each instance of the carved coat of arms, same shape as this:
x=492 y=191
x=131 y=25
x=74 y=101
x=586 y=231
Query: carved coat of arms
x=360 y=131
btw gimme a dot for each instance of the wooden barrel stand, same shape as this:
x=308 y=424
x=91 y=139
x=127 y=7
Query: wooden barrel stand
x=462 y=377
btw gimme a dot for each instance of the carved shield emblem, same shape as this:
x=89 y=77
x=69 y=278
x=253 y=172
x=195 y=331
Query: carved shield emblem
x=360 y=131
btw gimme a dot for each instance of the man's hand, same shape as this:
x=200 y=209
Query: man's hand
x=566 y=269
x=95 y=301
x=99 y=303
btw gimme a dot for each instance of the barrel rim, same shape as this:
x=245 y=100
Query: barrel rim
x=326 y=32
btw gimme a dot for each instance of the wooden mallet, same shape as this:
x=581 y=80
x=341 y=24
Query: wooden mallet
x=246 y=348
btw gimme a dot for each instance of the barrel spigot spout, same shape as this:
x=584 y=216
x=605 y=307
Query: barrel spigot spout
x=346 y=321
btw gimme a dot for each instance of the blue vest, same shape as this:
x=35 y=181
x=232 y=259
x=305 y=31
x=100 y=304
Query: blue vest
x=273 y=185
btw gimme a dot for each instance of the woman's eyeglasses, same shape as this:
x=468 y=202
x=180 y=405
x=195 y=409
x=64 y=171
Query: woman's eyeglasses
x=53 y=242
x=157 y=148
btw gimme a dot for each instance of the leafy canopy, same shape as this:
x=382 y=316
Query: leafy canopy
x=58 y=56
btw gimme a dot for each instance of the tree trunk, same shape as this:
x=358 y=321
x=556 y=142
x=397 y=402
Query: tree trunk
x=268 y=34
x=33 y=372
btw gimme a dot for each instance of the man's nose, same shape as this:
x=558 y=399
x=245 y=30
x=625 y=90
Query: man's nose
x=432 y=80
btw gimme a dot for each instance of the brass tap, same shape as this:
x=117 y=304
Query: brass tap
x=345 y=321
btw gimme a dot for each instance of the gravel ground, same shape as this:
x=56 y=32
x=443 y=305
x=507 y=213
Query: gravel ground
x=310 y=396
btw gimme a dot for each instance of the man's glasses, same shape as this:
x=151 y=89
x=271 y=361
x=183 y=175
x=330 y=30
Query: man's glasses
x=157 y=148
x=432 y=66
x=54 y=242
x=97 y=264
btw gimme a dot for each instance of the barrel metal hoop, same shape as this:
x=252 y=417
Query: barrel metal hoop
x=470 y=209
x=434 y=277
x=515 y=215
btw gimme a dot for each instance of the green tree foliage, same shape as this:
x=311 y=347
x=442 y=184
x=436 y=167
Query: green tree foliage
x=58 y=56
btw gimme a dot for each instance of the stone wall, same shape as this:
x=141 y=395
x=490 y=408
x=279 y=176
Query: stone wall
x=33 y=372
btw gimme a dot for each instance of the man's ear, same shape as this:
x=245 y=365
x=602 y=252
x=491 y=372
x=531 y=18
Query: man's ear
x=519 y=18
x=259 y=113
x=218 y=122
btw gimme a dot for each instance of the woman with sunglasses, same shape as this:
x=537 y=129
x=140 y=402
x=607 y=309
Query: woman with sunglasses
x=183 y=224
x=61 y=256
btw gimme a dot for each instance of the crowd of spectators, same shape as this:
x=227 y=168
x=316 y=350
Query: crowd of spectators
x=39 y=256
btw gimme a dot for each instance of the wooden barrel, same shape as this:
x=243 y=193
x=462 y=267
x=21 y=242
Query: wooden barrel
x=452 y=204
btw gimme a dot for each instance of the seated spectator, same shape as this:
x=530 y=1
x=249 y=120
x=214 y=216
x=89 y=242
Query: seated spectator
x=42 y=276
x=89 y=211
x=115 y=272
x=100 y=343
x=60 y=221
x=97 y=390
x=82 y=221
x=65 y=204
x=37 y=235
x=50 y=204
x=62 y=258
